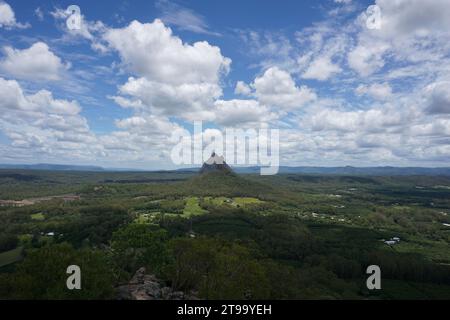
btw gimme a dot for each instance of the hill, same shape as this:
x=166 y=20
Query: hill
x=215 y=163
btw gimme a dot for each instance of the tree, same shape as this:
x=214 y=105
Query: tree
x=140 y=245
x=218 y=269
x=42 y=275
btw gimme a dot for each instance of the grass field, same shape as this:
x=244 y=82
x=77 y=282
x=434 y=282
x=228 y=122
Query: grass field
x=192 y=207
x=143 y=218
x=243 y=201
x=11 y=256
x=236 y=201
x=38 y=216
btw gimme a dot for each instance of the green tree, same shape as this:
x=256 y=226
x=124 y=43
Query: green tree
x=42 y=275
x=218 y=269
x=140 y=245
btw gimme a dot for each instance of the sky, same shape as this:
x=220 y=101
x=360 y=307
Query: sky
x=115 y=91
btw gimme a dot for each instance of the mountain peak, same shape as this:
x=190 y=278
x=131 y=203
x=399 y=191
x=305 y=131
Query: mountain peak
x=215 y=163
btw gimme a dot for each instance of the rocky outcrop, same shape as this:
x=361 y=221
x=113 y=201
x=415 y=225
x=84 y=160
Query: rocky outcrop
x=216 y=164
x=147 y=287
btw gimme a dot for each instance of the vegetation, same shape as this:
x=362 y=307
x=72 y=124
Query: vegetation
x=225 y=236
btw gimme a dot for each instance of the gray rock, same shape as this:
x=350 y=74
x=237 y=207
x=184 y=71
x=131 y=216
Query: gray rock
x=147 y=287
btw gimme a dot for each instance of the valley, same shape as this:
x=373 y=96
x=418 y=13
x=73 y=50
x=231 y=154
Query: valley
x=221 y=235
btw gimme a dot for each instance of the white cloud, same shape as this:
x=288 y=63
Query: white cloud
x=239 y=112
x=413 y=18
x=34 y=63
x=39 y=123
x=411 y=30
x=89 y=30
x=170 y=78
x=43 y=128
x=39 y=13
x=438 y=98
x=149 y=125
x=379 y=91
x=372 y=120
x=270 y=48
x=277 y=88
x=321 y=69
x=367 y=58
x=8 y=18
x=322 y=51
x=175 y=78
x=186 y=100
x=184 y=18
x=151 y=50
x=242 y=88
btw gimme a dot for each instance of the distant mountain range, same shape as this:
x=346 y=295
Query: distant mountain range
x=348 y=170
x=51 y=167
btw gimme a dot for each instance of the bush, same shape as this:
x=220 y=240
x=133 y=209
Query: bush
x=42 y=275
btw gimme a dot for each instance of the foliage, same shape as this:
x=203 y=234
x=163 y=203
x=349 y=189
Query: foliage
x=42 y=275
x=288 y=236
x=217 y=269
x=138 y=245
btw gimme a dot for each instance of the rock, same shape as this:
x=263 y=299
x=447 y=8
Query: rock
x=138 y=276
x=216 y=164
x=144 y=286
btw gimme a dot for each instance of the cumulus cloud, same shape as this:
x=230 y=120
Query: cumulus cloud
x=8 y=17
x=321 y=69
x=372 y=120
x=186 y=100
x=175 y=78
x=171 y=80
x=34 y=63
x=438 y=98
x=410 y=30
x=40 y=123
x=367 y=58
x=379 y=91
x=242 y=88
x=41 y=127
x=277 y=88
x=238 y=112
x=413 y=18
x=151 y=50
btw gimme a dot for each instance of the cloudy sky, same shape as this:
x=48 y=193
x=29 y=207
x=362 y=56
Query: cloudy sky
x=113 y=92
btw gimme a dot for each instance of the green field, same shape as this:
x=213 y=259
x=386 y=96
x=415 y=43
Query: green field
x=192 y=207
x=11 y=256
x=244 y=201
x=38 y=216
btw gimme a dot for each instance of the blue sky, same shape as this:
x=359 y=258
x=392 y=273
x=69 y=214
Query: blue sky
x=114 y=92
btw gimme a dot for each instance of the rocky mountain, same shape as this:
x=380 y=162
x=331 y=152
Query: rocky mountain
x=215 y=163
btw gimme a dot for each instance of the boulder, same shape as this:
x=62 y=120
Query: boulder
x=147 y=287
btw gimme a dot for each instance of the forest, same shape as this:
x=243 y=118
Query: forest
x=224 y=236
